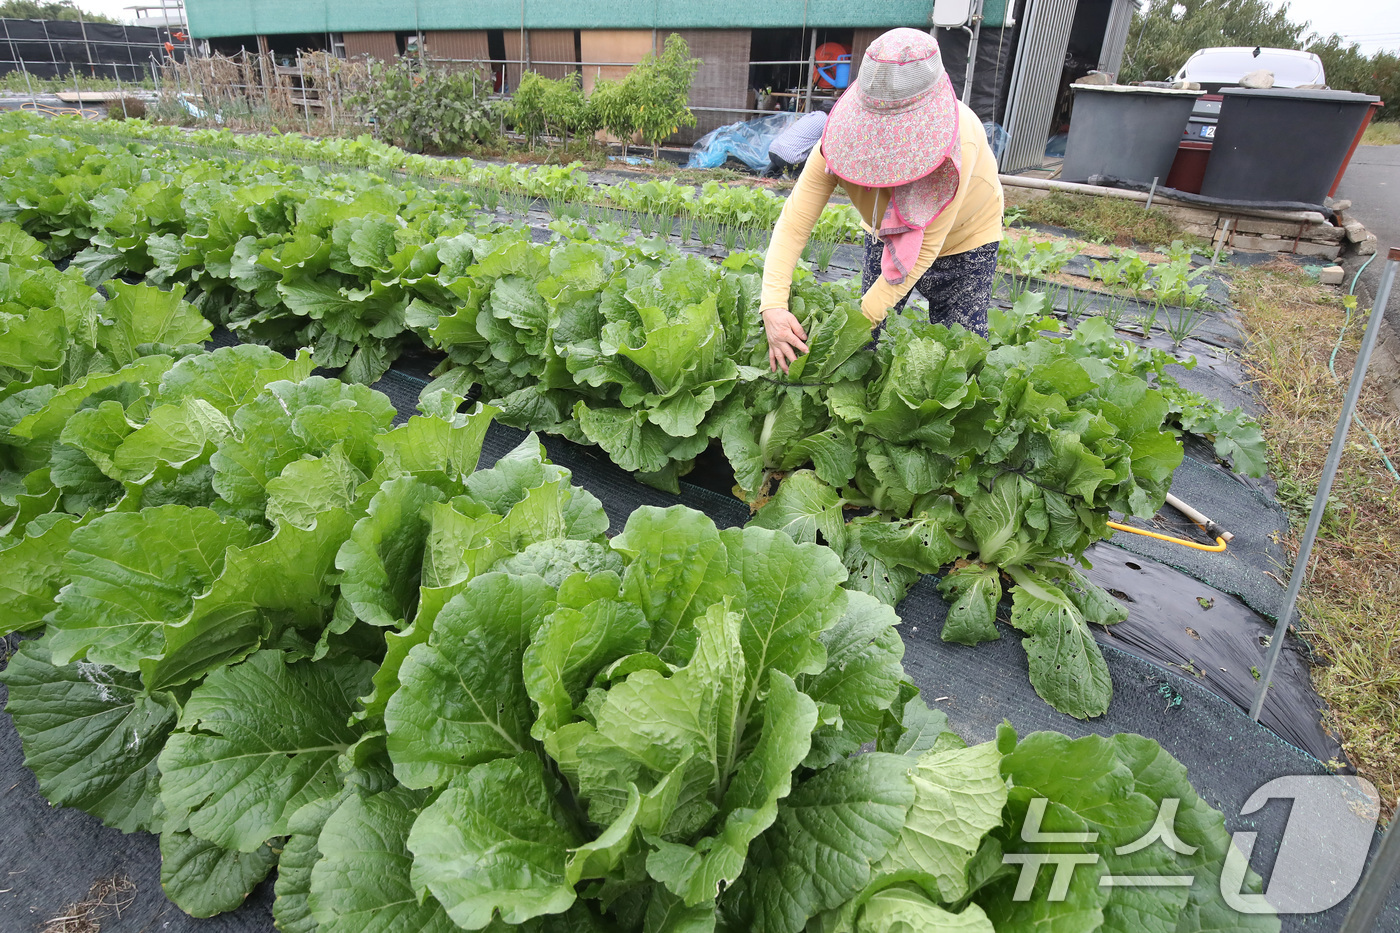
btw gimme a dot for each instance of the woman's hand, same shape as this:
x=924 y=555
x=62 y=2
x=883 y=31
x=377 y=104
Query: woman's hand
x=786 y=338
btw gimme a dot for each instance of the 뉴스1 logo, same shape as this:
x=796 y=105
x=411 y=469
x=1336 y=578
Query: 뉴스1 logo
x=1320 y=860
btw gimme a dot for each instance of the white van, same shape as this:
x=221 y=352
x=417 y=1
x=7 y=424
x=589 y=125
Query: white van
x=1221 y=67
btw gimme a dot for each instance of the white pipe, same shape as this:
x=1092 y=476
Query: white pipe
x=1047 y=184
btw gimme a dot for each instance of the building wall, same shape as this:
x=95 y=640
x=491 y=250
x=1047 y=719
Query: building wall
x=467 y=45
x=722 y=81
x=381 y=45
x=546 y=45
x=626 y=47
x=211 y=18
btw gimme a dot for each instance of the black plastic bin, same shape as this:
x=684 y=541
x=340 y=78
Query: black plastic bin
x=1127 y=132
x=1282 y=144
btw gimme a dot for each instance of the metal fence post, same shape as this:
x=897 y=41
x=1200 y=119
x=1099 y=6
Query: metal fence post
x=305 y=100
x=1369 y=898
x=22 y=67
x=329 y=101
x=1324 y=486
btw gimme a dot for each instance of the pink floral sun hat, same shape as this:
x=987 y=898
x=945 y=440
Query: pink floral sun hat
x=899 y=121
x=897 y=127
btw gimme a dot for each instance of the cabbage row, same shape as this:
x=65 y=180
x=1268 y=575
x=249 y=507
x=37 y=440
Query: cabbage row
x=278 y=630
x=1005 y=455
x=738 y=205
x=1000 y=456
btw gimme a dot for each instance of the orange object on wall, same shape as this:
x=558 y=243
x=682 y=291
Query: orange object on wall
x=827 y=53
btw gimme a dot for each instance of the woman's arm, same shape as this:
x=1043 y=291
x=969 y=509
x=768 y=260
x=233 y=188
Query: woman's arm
x=883 y=295
x=804 y=205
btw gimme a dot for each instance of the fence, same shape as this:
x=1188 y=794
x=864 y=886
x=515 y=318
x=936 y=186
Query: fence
x=48 y=49
x=312 y=93
x=252 y=90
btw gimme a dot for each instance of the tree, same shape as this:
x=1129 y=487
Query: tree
x=615 y=105
x=527 y=105
x=661 y=91
x=1165 y=34
x=62 y=10
x=1347 y=68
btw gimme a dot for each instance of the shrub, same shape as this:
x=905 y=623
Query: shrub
x=126 y=108
x=422 y=107
x=542 y=106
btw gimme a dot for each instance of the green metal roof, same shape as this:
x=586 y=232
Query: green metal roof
x=212 y=18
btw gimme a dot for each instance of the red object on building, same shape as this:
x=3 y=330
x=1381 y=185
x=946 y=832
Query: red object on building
x=1365 y=122
x=827 y=54
x=1189 y=166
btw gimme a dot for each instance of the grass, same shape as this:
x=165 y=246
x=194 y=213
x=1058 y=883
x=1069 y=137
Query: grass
x=1111 y=220
x=1351 y=600
x=1382 y=134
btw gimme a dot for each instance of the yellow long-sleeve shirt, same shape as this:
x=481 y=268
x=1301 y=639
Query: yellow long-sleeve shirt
x=973 y=219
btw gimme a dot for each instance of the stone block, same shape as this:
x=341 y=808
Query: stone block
x=1261 y=78
x=1367 y=247
x=1339 y=205
x=1096 y=79
x=1332 y=275
x=1356 y=231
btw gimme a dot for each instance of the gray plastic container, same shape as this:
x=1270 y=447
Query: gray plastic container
x=1126 y=132
x=1282 y=144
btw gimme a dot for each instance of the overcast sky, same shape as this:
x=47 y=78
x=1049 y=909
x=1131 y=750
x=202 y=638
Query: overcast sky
x=1374 y=24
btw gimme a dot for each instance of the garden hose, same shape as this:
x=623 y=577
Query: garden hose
x=1218 y=546
x=1375 y=441
x=36 y=107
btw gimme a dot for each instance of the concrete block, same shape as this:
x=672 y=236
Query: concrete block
x=1356 y=231
x=1308 y=248
x=1096 y=79
x=1187 y=215
x=1332 y=275
x=1262 y=78
x=1367 y=247
x=1281 y=228
x=1017 y=195
x=1339 y=205
x=1256 y=243
x=1206 y=231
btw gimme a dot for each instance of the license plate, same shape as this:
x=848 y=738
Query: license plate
x=1208 y=131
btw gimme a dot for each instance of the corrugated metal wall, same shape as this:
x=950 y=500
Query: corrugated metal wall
x=461 y=45
x=1035 y=81
x=1116 y=35
x=722 y=81
x=381 y=45
x=210 y=18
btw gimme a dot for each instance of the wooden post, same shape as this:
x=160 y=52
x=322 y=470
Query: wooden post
x=811 y=73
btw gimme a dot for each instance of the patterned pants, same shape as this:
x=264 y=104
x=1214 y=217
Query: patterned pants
x=958 y=287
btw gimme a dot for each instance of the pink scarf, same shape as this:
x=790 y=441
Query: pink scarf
x=911 y=209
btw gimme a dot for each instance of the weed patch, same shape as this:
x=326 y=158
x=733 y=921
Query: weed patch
x=1351 y=599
